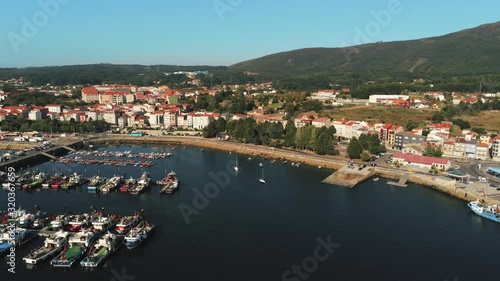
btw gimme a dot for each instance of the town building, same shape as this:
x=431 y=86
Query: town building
x=421 y=161
x=402 y=139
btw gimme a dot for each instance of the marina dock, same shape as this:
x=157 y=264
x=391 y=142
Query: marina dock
x=350 y=176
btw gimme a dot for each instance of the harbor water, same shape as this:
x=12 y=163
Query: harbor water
x=225 y=226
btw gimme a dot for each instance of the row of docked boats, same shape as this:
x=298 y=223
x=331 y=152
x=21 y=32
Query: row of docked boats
x=108 y=162
x=125 y=154
x=71 y=238
x=32 y=180
x=133 y=186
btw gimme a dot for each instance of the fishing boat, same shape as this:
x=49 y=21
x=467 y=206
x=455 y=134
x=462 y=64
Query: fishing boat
x=74 y=180
x=111 y=184
x=38 y=179
x=78 y=222
x=262 y=180
x=128 y=185
x=491 y=212
x=236 y=168
x=171 y=183
x=49 y=182
x=102 y=249
x=59 y=221
x=77 y=246
x=102 y=223
x=52 y=245
x=15 y=238
x=95 y=182
x=138 y=235
x=128 y=222
x=58 y=184
x=142 y=183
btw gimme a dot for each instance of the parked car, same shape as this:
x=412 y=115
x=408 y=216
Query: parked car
x=493 y=185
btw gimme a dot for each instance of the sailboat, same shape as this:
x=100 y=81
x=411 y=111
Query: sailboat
x=261 y=180
x=236 y=168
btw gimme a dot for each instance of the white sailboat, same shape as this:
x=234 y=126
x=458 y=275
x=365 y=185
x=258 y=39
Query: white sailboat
x=261 y=180
x=236 y=168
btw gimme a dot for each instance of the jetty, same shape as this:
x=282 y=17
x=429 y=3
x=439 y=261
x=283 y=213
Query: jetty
x=42 y=156
x=402 y=181
x=350 y=175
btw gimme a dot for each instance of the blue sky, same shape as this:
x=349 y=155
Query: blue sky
x=192 y=32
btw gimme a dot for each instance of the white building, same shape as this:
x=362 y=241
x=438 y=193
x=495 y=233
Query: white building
x=386 y=99
x=35 y=115
x=201 y=121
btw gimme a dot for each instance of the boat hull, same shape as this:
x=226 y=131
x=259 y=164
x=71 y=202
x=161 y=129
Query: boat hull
x=483 y=213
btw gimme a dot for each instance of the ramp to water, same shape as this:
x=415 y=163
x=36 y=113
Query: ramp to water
x=402 y=181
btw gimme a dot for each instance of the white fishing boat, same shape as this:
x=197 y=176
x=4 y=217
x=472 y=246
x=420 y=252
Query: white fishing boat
x=138 y=235
x=76 y=247
x=14 y=238
x=112 y=184
x=126 y=223
x=52 y=245
x=102 y=249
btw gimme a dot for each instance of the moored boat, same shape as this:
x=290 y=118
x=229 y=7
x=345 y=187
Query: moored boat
x=141 y=185
x=14 y=238
x=102 y=249
x=128 y=185
x=128 y=222
x=171 y=183
x=74 y=180
x=138 y=235
x=78 y=222
x=76 y=247
x=491 y=212
x=95 y=182
x=111 y=184
x=52 y=245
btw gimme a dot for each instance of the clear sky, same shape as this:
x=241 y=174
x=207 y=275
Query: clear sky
x=215 y=32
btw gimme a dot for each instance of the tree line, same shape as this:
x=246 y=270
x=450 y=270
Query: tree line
x=321 y=140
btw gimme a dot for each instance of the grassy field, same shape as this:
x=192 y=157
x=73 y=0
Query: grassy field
x=490 y=120
x=395 y=116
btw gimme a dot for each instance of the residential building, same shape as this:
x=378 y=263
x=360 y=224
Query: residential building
x=483 y=151
x=170 y=118
x=495 y=149
x=111 y=116
x=90 y=95
x=402 y=139
x=421 y=161
x=56 y=108
x=35 y=115
x=470 y=149
x=156 y=118
x=448 y=148
x=459 y=150
x=200 y=121
x=415 y=149
x=320 y=122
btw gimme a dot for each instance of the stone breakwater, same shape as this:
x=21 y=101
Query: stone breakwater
x=447 y=186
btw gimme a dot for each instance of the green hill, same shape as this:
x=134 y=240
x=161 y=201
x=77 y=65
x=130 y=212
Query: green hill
x=468 y=52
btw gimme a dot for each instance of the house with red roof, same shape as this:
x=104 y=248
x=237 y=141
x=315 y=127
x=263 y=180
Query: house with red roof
x=90 y=95
x=425 y=162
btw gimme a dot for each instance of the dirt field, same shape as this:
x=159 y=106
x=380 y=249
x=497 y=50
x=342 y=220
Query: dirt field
x=490 y=120
x=396 y=116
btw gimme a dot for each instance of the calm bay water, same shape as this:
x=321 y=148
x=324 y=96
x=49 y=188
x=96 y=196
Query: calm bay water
x=250 y=231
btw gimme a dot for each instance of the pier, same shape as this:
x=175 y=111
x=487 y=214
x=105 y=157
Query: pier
x=34 y=157
x=402 y=181
x=350 y=176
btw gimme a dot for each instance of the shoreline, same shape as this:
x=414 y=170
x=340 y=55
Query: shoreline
x=441 y=184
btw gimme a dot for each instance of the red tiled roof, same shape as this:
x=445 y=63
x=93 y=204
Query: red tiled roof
x=410 y=158
x=90 y=91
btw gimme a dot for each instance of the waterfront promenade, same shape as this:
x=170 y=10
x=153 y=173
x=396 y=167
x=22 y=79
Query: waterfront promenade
x=471 y=192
